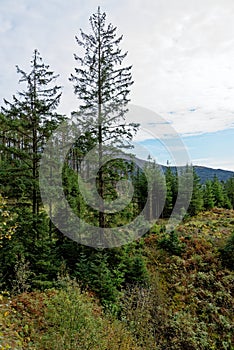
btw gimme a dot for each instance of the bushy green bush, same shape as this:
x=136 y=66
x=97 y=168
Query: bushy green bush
x=72 y=322
x=171 y=243
x=75 y=321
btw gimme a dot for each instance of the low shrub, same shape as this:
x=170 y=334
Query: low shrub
x=227 y=253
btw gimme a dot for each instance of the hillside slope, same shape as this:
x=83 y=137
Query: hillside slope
x=188 y=303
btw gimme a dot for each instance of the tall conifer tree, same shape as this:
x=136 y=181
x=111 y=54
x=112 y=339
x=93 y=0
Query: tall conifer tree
x=103 y=88
x=27 y=122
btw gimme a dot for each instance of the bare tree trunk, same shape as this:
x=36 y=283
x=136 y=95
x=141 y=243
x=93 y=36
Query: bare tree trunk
x=100 y=147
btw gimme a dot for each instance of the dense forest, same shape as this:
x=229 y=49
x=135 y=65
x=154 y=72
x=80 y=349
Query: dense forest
x=168 y=289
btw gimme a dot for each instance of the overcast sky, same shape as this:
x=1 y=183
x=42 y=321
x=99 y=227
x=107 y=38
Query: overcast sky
x=182 y=52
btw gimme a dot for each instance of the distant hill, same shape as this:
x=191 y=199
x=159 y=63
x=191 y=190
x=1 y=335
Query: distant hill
x=203 y=172
x=208 y=173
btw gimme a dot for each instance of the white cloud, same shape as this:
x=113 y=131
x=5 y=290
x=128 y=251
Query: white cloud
x=182 y=57
x=214 y=163
x=182 y=54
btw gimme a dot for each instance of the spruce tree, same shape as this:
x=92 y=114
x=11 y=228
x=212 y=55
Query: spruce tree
x=102 y=85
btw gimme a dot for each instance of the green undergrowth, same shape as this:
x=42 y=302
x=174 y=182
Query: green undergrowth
x=186 y=305
x=58 y=320
x=197 y=307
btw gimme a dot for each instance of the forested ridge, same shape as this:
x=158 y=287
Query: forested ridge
x=169 y=289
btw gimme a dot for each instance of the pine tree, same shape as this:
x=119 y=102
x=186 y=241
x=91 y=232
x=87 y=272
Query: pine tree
x=208 y=196
x=229 y=187
x=102 y=86
x=196 y=203
x=218 y=192
x=185 y=189
x=26 y=123
x=171 y=192
x=155 y=189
